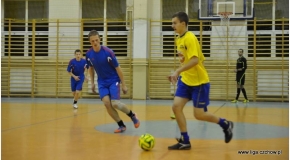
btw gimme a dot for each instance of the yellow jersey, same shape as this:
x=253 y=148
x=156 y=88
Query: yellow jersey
x=188 y=47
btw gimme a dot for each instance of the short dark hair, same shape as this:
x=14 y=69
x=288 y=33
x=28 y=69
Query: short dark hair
x=241 y=50
x=93 y=33
x=182 y=16
x=78 y=50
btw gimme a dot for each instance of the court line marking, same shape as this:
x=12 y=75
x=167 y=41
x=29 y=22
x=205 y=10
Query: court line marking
x=219 y=107
x=137 y=102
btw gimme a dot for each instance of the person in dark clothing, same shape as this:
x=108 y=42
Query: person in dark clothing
x=240 y=70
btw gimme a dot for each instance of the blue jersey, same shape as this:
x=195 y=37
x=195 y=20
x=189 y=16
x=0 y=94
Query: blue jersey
x=104 y=63
x=77 y=67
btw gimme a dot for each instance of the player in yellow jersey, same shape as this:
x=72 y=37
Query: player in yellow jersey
x=192 y=83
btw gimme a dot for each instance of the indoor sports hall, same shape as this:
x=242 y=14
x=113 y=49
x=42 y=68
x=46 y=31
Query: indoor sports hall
x=38 y=40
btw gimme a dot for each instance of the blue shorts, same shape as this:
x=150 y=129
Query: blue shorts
x=77 y=85
x=198 y=94
x=111 y=89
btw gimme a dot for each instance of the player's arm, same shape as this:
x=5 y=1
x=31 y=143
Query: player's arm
x=121 y=75
x=245 y=64
x=86 y=72
x=69 y=69
x=119 y=71
x=191 y=63
x=74 y=76
x=91 y=71
x=92 y=74
x=90 y=68
x=71 y=74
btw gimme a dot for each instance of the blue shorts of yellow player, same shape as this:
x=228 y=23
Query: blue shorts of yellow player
x=110 y=89
x=198 y=94
x=77 y=85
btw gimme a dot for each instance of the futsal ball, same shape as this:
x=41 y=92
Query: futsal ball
x=146 y=141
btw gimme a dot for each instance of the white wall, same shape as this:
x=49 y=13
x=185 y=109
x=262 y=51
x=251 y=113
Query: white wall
x=237 y=38
x=270 y=83
x=156 y=29
x=140 y=22
x=65 y=10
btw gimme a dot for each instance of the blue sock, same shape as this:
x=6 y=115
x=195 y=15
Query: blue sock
x=205 y=109
x=223 y=123
x=185 y=137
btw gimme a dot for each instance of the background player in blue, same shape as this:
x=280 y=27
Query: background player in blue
x=76 y=68
x=103 y=61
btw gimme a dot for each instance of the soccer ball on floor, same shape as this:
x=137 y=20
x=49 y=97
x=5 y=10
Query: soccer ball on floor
x=146 y=141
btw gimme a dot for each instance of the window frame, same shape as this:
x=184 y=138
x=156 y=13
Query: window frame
x=26 y=32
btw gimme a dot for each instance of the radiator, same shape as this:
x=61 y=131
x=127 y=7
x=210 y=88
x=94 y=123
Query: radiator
x=21 y=80
x=269 y=83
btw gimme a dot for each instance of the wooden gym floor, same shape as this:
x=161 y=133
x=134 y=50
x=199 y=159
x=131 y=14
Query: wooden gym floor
x=50 y=129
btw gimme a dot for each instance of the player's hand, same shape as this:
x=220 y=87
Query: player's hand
x=77 y=78
x=174 y=77
x=124 y=89
x=94 y=88
x=169 y=78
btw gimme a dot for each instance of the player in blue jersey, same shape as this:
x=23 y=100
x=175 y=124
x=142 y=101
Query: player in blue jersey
x=103 y=61
x=76 y=68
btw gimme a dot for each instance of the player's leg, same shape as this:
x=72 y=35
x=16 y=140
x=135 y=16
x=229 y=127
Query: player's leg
x=184 y=141
x=182 y=96
x=172 y=115
x=243 y=89
x=171 y=111
x=73 y=89
x=76 y=97
x=200 y=98
x=79 y=87
x=238 y=93
x=238 y=79
x=117 y=104
x=105 y=97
